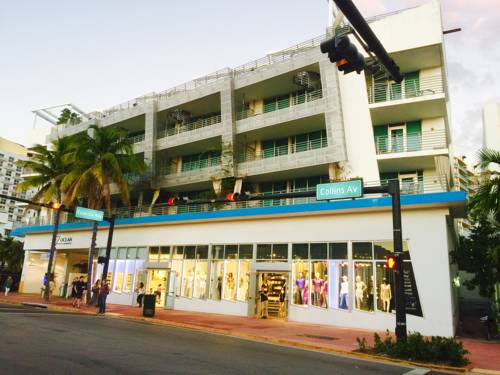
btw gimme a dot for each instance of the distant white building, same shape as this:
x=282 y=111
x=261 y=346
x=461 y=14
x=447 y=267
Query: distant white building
x=491 y=126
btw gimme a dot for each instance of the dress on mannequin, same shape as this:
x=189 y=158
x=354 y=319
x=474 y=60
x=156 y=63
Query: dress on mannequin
x=230 y=286
x=301 y=284
x=317 y=286
x=360 y=290
x=385 y=296
x=344 y=291
x=324 y=293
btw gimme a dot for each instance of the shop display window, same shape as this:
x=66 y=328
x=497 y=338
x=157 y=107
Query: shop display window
x=319 y=283
x=177 y=268
x=139 y=276
x=246 y=251
x=300 y=281
x=338 y=284
x=300 y=251
x=131 y=253
x=362 y=250
x=200 y=281
x=231 y=252
x=216 y=273
x=164 y=253
x=218 y=252
x=364 y=288
x=280 y=252
x=337 y=250
x=189 y=252
x=230 y=274
x=129 y=275
x=244 y=279
x=188 y=278
x=153 y=254
x=119 y=272
x=122 y=253
x=178 y=252
x=318 y=250
x=382 y=249
x=385 y=288
x=264 y=252
x=202 y=252
x=113 y=253
x=142 y=253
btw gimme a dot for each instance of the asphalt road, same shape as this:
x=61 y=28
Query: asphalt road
x=36 y=341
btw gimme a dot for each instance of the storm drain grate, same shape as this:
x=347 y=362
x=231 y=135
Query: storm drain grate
x=328 y=338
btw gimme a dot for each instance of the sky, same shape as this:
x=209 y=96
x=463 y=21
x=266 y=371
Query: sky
x=97 y=54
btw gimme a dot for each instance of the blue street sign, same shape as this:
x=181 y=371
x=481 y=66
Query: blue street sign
x=87 y=213
x=339 y=190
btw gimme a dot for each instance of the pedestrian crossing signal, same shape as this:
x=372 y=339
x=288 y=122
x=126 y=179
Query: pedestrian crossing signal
x=391 y=262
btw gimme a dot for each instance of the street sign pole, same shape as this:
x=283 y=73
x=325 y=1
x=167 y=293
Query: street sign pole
x=91 y=261
x=394 y=190
x=108 y=247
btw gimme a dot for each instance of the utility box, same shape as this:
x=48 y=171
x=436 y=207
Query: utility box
x=149 y=303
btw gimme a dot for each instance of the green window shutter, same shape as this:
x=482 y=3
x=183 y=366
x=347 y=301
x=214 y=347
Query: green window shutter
x=324 y=141
x=380 y=133
x=284 y=101
x=300 y=183
x=300 y=98
x=313 y=181
x=395 y=91
x=414 y=135
x=268 y=149
x=315 y=140
x=412 y=84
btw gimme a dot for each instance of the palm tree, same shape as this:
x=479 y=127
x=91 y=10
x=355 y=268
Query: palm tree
x=100 y=159
x=48 y=167
x=11 y=253
x=68 y=117
x=486 y=200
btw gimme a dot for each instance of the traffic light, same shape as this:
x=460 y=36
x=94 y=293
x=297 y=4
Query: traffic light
x=342 y=51
x=234 y=197
x=173 y=201
x=391 y=262
x=101 y=260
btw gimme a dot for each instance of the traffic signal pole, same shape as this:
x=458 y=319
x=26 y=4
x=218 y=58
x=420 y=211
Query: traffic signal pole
x=91 y=260
x=108 y=247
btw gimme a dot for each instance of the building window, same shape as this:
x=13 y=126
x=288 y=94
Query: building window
x=272 y=252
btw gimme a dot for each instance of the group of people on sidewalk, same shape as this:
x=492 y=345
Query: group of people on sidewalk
x=99 y=293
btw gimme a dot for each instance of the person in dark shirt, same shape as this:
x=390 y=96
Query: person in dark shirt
x=264 y=290
x=103 y=294
x=79 y=289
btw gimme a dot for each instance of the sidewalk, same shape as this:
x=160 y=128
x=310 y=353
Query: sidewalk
x=483 y=354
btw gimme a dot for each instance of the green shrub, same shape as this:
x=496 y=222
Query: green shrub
x=439 y=350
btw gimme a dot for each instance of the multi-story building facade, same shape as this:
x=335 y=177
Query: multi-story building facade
x=11 y=174
x=491 y=126
x=284 y=123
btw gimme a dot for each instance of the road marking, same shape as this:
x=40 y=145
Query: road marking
x=417 y=371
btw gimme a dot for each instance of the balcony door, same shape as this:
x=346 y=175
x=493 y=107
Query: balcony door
x=409 y=183
x=397 y=136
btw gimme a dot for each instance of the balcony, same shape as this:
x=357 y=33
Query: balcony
x=193 y=172
x=136 y=138
x=428 y=140
x=283 y=150
x=198 y=124
x=389 y=91
x=282 y=104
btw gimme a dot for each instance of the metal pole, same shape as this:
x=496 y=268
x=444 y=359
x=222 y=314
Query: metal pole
x=46 y=293
x=108 y=248
x=91 y=261
x=394 y=190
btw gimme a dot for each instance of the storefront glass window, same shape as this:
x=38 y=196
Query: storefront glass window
x=122 y=253
x=300 y=251
x=300 y=281
x=178 y=252
x=177 y=267
x=119 y=271
x=200 y=282
x=216 y=280
x=129 y=275
x=385 y=288
x=319 y=283
x=202 y=252
x=338 y=250
x=142 y=253
x=230 y=274
x=338 y=284
x=382 y=249
x=246 y=252
x=189 y=252
x=318 y=250
x=218 y=252
x=264 y=252
x=362 y=250
x=131 y=253
x=244 y=280
x=153 y=254
x=109 y=276
x=139 y=274
x=363 y=286
x=164 y=253
x=114 y=253
x=231 y=252
x=188 y=278
x=280 y=252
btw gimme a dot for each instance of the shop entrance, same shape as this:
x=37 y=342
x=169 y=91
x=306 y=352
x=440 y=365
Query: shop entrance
x=277 y=295
x=157 y=283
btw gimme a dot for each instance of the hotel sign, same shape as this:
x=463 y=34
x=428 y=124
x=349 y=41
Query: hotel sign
x=64 y=240
x=339 y=190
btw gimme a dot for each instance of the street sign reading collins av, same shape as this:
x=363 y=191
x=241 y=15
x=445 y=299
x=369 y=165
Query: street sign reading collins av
x=87 y=213
x=339 y=190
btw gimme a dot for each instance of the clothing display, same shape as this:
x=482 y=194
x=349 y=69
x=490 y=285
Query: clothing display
x=301 y=283
x=317 y=285
x=385 y=296
x=344 y=292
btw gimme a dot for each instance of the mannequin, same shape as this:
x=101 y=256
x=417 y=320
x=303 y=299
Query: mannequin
x=344 y=291
x=371 y=291
x=202 y=283
x=305 y=295
x=301 y=284
x=316 y=289
x=324 y=293
x=243 y=287
x=189 y=284
x=385 y=295
x=229 y=286
x=359 y=292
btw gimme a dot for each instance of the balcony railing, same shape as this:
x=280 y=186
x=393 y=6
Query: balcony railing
x=430 y=140
x=409 y=186
x=198 y=124
x=190 y=166
x=282 y=103
x=283 y=150
x=382 y=91
x=136 y=138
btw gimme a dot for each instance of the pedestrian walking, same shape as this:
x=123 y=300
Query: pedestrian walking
x=103 y=294
x=8 y=285
x=95 y=294
x=73 y=291
x=140 y=293
x=79 y=288
x=264 y=290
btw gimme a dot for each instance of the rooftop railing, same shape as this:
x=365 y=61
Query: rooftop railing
x=283 y=150
x=382 y=91
x=190 y=126
x=282 y=103
x=427 y=140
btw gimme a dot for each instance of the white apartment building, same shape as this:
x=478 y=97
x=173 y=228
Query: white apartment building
x=284 y=123
x=491 y=126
